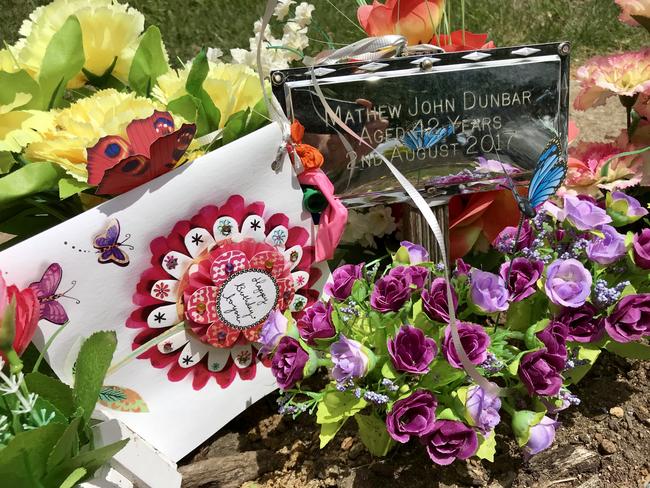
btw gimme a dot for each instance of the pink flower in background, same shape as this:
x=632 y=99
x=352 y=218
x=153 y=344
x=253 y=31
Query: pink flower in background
x=636 y=8
x=624 y=74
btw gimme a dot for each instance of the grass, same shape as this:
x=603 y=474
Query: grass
x=591 y=25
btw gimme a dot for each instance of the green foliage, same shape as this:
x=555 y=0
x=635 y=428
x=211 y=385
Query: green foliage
x=487 y=447
x=373 y=434
x=57 y=393
x=333 y=410
x=588 y=353
x=148 y=62
x=28 y=180
x=632 y=350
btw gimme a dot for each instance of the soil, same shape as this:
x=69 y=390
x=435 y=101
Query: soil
x=603 y=442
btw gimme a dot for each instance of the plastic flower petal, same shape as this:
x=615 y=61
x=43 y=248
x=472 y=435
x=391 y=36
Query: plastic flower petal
x=20 y=128
x=633 y=8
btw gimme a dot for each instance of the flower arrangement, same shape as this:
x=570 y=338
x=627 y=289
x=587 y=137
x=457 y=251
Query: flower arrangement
x=573 y=286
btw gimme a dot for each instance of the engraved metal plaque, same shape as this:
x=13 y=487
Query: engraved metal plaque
x=442 y=119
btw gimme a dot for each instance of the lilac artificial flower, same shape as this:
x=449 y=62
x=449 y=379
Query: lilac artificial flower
x=417 y=253
x=343 y=279
x=583 y=214
x=435 y=303
x=316 y=323
x=609 y=249
x=483 y=408
x=542 y=436
x=523 y=277
x=641 y=249
x=538 y=375
x=494 y=166
x=554 y=211
x=289 y=362
x=411 y=351
x=412 y=416
x=505 y=241
x=390 y=294
x=412 y=275
x=462 y=268
x=450 y=440
x=624 y=209
x=273 y=330
x=350 y=359
x=568 y=283
x=475 y=342
x=630 y=319
x=488 y=292
x=582 y=323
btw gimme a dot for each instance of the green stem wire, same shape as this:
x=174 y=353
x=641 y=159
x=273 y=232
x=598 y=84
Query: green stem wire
x=46 y=347
x=462 y=17
x=290 y=49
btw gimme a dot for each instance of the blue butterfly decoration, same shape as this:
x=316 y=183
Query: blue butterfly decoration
x=421 y=138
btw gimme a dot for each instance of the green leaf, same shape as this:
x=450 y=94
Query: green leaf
x=185 y=106
x=197 y=75
x=447 y=414
x=441 y=374
x=513 y=367
x=7 y=161
x=359 y=291
x=337 y=405
x=519 y=315
x=19 y=82
x=632 y=350
x=74 y=478
x=67 y=447
x=388 y=371
x=92 y=363
x=259 y=116
x=487 y=447
x=235 y=126
x=43 y=405
x=28 y=180
x=148 y=62
x=329 y=430
x=374 y=435
x=64 y=58
x=208 y=115
x=71 y=186
x=585 y=353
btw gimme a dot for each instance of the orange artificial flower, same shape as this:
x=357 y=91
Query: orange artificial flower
x=462 y=41
x=311 y=157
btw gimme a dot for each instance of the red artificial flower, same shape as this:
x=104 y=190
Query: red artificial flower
x=462 y=41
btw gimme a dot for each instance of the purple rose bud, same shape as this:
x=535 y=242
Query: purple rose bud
x=390 y=294
x=542 y=436
x=483 y=408
x=413 y=275
x=583 y=214
x=417 y=253
x=523 y=277
x=538 y=375
x=641 y=249
x=343 y=279
x=488 y=292
x=474 y=340
x=630 y=319
x=462 y=268
x=450 y=440
x=505 y=241
x=582 y=323
x=608 y=249
x=434 y=301
x=412 y=416
x=554 y=338
x=624 y=209
x=350 y=358
x=411 y=351
x=316 y=323
x=289 y=362
x=568 y=283
x=273 y=330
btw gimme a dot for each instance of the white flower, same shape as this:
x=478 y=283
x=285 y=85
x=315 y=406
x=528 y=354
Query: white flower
x=282 y=9
x=303 y=14
x=380 y=220
x=363 y=227
x=295 y=36
x=214 y=54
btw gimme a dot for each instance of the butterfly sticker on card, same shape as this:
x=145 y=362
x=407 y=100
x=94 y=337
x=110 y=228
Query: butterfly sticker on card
x=152 y=148
x=46 y=290
x=110 y=248
x=420 y=138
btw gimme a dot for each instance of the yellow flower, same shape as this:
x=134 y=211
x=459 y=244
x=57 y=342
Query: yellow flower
x=110 y=30
x=232 y=87
x=81 y=125
x=20 y=128
x=8 y=61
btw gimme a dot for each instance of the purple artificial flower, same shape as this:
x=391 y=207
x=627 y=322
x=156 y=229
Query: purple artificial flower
x=350 y=359
x=411 y=351
x=273 y=330
x=542 y=436
x=412 y=275
x=462 y=268
x=624 y=209
x=538 y=375
x=568 y=283
x=582 y=323
x=289 y=362
x=343 y=279
x=641 y=249
x=434 y=301
x=488 y=292
x=450 y=440
x=523 y=277
x=505 y=241
x=483 y=408
x=583 y=214
x=390 y=294
x=417 y=253
x=630 y=319
x=608 y=249
x=316 y=323
x=554 y=338
x=475 y=342
x=412 y=416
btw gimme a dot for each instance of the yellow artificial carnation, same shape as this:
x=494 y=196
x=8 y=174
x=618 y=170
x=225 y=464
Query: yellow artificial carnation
x=20 y=128
x=232 y=87
x=110 y=30
x=8 y=62
x=80 y=126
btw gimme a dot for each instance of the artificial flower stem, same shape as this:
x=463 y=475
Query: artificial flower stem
x=46 y=347
x=15 y=363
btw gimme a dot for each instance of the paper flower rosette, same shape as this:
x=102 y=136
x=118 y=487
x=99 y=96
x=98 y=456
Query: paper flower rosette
x=221 y=273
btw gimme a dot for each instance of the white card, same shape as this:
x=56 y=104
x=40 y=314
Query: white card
x=213 y=243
